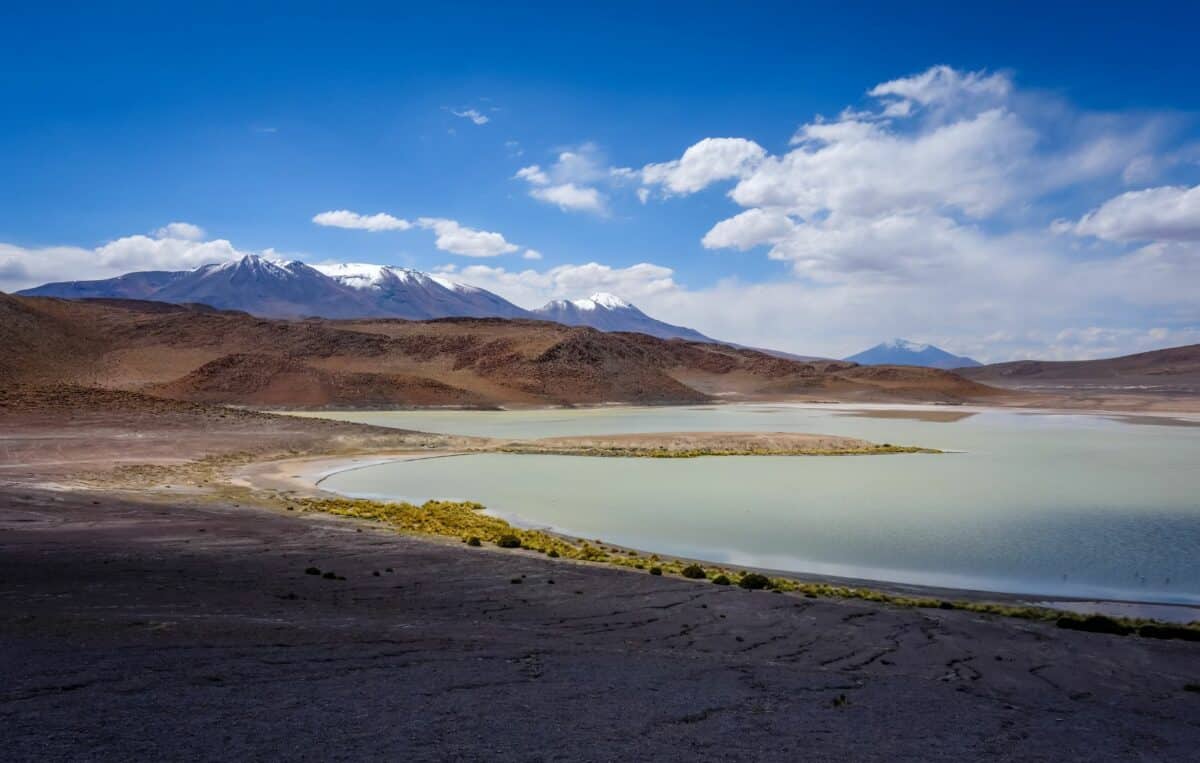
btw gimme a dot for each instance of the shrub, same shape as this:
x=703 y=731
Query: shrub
x=1095 y=624
x=509 y=541
x=474 y=541
x=694 y=571
x=312 y=571
x=552 y=554
x=1162 y=630
x=752 y=581
x=721 y=580
x=656 y=570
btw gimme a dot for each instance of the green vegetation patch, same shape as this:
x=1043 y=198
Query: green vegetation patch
x=464 y=519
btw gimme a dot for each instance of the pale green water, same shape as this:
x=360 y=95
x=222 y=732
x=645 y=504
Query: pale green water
x=1048 y=505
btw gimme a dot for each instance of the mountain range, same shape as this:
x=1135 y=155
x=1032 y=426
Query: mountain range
x=902 y=352
x=291 y=289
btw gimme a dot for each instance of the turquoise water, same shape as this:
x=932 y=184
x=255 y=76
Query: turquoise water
x=1045 y=505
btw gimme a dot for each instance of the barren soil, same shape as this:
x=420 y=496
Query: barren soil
x=173 y=623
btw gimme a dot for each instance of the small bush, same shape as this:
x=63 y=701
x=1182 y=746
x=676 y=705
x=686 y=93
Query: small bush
x=474 y=541
x=656 y=570
x=694 y=571
x=1095 y=624
x=312 y=571
x=752 y=581
x=516 y=581
x=1192 y=687
x=509 y=541
x=552 y=554
x=721 y=580
x=1169 y=631
x=329 y=576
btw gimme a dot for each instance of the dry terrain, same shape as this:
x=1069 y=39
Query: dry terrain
x=199 y=354
x=148 y=627
x=1160 y=380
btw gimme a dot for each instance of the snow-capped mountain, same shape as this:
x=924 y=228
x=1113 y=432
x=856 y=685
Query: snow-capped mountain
x=412 y=294
x=266 y=287
x=901 y=352
x=291 y=289
x=607 y=312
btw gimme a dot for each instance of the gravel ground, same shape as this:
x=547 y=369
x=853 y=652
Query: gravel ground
x=156 y=628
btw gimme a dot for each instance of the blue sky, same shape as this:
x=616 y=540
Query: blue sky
x=1030 y=197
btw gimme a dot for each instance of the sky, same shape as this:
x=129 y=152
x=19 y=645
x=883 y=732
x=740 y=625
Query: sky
x=1003 y=180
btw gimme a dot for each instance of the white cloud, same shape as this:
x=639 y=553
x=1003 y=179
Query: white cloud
x=1167 y=213
x=939 y=85
x=570 y=197
x=344 y=218
x=926 y=215
x=472 y=114
x=573 y=182
x=748 y=230
x=533 y=288
x=185 y=231
x=534 y=175
x=458 y=239
x=22 y=267
x=532 y=254
x=704 y=163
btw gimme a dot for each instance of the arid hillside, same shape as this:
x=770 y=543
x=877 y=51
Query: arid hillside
x=199 y=354
x=1176 y=369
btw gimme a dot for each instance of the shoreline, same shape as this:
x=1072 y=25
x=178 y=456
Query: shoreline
x=308 y=473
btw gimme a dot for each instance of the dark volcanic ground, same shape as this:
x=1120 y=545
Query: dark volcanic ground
x=171 y=631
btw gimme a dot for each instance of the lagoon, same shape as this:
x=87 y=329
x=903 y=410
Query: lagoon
x=1039 y=504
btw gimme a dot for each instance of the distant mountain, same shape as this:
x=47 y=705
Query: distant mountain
x=607 y=312
x=901 y=352
x=1175 y=369
x=129 y=286
x=278 y=289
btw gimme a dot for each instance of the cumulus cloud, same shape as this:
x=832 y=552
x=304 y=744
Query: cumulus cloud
x=704 y=163
x=185 y=231
x=570 y=197
x=459 y=239
x=472 y=114
x=533 y=288
x=24 y=267
x=532 y=254
x=1167 y=213
x=575 y=182
x=749 y=229
x=344 y=218
x=927 y=213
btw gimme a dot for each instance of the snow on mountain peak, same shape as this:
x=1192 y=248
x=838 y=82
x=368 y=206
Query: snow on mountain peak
x=904 y=344
x=601 y=299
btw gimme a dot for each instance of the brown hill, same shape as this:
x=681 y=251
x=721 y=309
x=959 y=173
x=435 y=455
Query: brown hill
x=1176 y=369
x=190 y=353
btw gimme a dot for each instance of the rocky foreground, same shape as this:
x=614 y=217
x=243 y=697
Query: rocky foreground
x=181 y=628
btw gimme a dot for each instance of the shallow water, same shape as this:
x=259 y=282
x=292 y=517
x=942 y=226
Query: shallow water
x=1046 y=505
